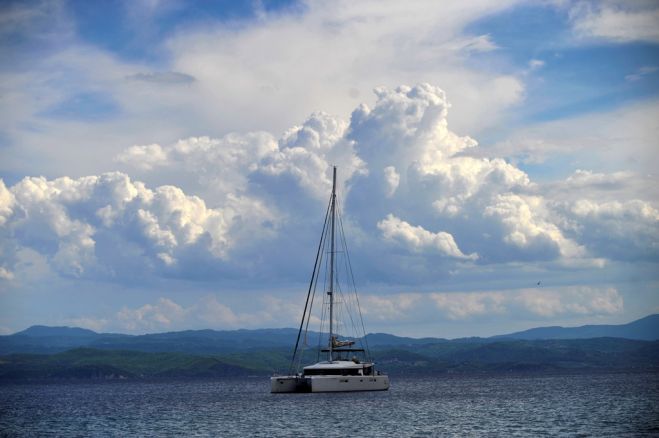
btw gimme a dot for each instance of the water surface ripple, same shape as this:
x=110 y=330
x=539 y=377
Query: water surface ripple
x=557 y=405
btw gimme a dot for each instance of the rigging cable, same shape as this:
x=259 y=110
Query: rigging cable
x=313 y=274
x=348 y=302
x=352 y=276
x=325 y=302
x=313 y=298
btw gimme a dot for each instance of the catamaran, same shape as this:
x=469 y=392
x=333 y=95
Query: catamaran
x=348 y=366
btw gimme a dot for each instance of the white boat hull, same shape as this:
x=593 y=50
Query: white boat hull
x=288 y=384
x=348 y=383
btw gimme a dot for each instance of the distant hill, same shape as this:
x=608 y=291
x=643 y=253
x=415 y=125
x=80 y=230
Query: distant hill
x=37 y=331
x=506 y=356
x=73 y=353
x=49 y=340
x=43 y=339
x=380 y=339
x=645 y=329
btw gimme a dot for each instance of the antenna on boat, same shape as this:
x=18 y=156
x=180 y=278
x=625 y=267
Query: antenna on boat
x=331 y=272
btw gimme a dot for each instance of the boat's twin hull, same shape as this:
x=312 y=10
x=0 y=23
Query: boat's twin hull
x=328 y=383
x=288 y=384
x=348 y=383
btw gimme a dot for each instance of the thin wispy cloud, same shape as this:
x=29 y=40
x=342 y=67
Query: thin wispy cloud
x=168 y=77
x=641 y=73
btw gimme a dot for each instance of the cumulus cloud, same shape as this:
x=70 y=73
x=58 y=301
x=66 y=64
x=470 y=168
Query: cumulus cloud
x=524 y=226
x=406 y=126
x=409 y=126
x=7 y=202
x=217 y=314
x=278 y=57
x=144 y=157
x=574 y=300
x=392 y=178
x=304 y=153
x=437 y=183
x=461 y=305
x=406 y=181
x=67 y=219
x=419 y=240
x=227 y=204
x=391 y=307
x=617 y=230
x=207 y=312
x=620 y=22
x=210 y=311
x=540 y=302
x=307 y=153
x=584 y=179
x=162 y=314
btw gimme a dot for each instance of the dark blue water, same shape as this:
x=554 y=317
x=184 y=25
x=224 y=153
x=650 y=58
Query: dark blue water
x=584 y=405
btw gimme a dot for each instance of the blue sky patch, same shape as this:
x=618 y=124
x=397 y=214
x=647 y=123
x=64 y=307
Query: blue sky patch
x=566 y=77
x=84 y=106
x=134 y=32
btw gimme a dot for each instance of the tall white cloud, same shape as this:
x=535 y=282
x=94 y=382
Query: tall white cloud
x=266 y=73
x=419 y=240
x=7 y=202
x=66 y=219
x=525 y=225
x=223 y=166
x=438 y=187
x=620 y=230
x=406 y=184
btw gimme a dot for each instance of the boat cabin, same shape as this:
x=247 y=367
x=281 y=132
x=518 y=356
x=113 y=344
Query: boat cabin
x=339 y=368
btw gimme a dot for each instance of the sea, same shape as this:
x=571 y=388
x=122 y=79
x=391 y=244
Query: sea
x=597 y=405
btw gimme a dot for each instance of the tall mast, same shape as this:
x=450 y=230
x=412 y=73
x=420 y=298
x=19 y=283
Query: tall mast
x=331 y=273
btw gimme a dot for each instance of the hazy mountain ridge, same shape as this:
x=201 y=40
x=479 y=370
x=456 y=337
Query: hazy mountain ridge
x=583 y=355
x=644 y=329
x=42 y=339
x=49 y=340
x=36 y=331
x=73 y=353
